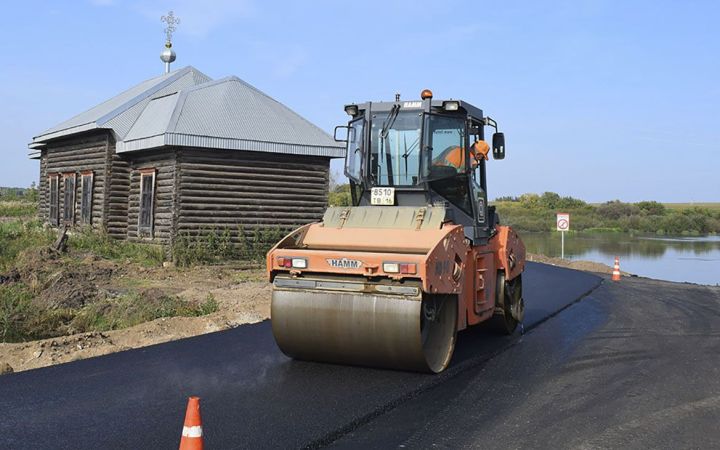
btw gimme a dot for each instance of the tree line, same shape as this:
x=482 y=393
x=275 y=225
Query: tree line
x=536 y=212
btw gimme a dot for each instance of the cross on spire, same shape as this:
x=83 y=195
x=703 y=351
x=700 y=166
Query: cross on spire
x=171 y=21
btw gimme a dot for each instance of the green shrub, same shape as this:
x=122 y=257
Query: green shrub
x=532 y=212
x=340 y=196
x=212 y=246
x=209 y=306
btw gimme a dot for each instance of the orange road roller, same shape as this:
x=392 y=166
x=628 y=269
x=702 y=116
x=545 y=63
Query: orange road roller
x=389 y=281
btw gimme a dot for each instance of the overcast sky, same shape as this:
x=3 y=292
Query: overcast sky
x=599 y=100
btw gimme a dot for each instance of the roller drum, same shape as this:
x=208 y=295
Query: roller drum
x=392 y=331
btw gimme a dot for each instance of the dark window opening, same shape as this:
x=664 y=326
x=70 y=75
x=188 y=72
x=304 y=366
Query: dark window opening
x=455 y=190
x=147 y=194
x=86 y=199
x=54 y=199
x=69 y=198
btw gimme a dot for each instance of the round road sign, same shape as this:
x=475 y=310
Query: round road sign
x=563 y=221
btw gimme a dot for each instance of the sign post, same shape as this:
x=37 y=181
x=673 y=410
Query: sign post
x=563 y=225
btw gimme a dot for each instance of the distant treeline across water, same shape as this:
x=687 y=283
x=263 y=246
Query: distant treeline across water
x=536 y=212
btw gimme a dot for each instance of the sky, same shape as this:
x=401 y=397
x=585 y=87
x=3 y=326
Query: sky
x=600 y=100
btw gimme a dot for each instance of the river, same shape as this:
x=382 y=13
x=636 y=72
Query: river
x=673 y=258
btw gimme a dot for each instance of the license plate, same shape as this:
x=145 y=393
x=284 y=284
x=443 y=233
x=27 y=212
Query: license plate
x=382 y=196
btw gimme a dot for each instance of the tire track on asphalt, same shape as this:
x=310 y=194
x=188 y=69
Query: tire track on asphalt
x=439 y=379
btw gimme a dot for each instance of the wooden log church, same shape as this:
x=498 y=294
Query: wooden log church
x=183 y=153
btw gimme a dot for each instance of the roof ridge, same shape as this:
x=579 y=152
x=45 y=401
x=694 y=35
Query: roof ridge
x=176 y=75
x=238 y=79
x=156 y=83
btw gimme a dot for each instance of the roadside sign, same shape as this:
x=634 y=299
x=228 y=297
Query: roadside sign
x=563 y=221
x=563 y=225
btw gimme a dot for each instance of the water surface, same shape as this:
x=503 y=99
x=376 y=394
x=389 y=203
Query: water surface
x=674 y=258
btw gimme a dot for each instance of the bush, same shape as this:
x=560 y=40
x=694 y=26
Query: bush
x=532 y=212
x=651 y=208
x=616 y=209
x=340 y=196
x=211 y=246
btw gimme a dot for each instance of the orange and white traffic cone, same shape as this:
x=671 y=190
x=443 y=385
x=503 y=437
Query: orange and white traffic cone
x=616 y=270
x=192 y=434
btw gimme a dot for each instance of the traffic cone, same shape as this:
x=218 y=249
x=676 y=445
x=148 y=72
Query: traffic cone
x=192 y=434
x=616 y=270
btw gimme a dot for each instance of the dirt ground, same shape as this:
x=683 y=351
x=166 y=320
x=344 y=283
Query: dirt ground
x=242 y=294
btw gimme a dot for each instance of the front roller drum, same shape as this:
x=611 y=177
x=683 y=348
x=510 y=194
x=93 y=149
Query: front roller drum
x=390 y=331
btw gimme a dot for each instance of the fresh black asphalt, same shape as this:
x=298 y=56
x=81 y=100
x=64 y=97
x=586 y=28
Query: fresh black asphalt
x=635 y=364
x=255 y=397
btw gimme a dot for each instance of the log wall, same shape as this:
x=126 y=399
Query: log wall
x=117 y=198
x=163 y=161
x=43 y=188
x=87 y=152
x=231 y=189
x=197 y=191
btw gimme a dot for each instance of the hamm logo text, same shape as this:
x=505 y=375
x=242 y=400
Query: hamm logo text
x=344 y=263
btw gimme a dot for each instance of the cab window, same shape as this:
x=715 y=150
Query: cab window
x=353 y=159
x=446 y=143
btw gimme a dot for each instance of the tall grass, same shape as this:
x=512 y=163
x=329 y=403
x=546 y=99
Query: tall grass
x=18 y=209
x=215 y=245
x=19 y=235
x=133 y=309
x=100 y=244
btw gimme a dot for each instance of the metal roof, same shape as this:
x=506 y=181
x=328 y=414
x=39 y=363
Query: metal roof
x=186 y=108
x=227 y=114
x=121 y=111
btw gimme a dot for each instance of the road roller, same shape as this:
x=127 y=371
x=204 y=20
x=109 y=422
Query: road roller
x=420 y=255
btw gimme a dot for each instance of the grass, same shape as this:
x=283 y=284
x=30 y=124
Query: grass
x=24 y=315
x=15 y=309
x=681 y=206
x=22 y=320
x=213 y=245
x=133 y=309
x=100 y=244
x=19 y=235
x=18 y=208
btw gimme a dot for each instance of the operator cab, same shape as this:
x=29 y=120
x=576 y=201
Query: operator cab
x=418 y=153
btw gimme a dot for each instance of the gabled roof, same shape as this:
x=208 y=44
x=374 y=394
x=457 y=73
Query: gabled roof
x=185 y=108
x=121 y=111
x=227 y=114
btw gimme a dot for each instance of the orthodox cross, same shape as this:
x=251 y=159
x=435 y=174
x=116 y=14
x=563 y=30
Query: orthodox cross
x=171 y=21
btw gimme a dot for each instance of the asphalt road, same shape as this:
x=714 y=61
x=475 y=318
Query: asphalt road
x=635 y=364
x=597 y=370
